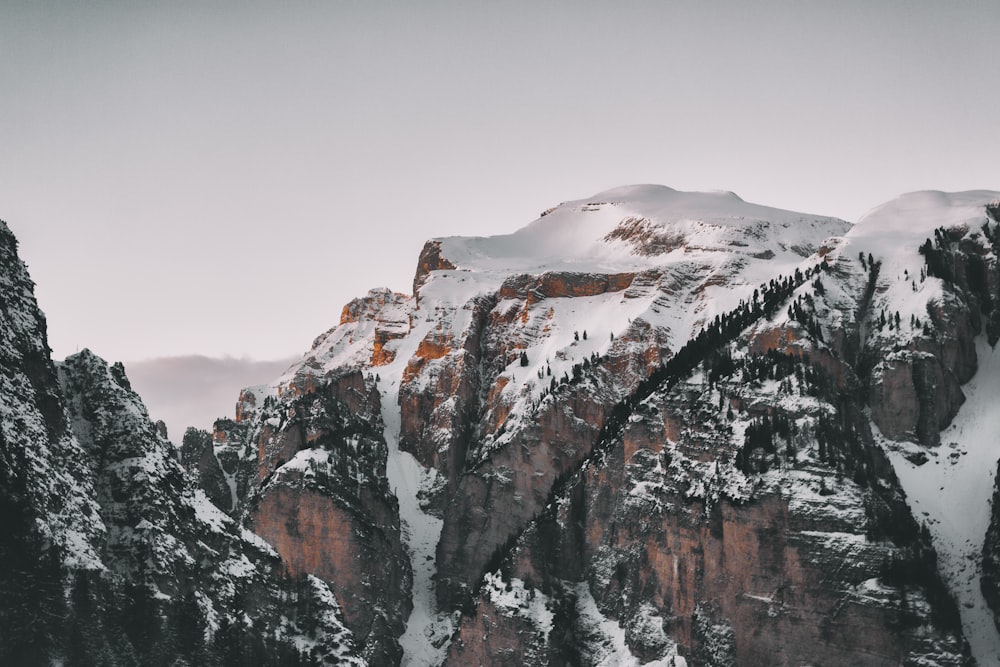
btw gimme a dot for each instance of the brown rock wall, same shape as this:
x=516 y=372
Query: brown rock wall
x=439 y=394
x=360 y=556
x=430 y=259
x=555 y=284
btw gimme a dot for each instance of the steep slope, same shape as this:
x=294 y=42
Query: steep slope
x=48 y=512
x=739 y=509
x=932 y=327
x=133 y=564
x=574 y=411
x=305 y=462
x=626 y=276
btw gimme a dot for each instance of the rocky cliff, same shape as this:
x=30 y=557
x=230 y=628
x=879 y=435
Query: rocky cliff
x=651 y=427
x=110 y=554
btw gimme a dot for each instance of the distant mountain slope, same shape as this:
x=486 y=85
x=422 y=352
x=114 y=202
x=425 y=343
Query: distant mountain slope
x=195 y=390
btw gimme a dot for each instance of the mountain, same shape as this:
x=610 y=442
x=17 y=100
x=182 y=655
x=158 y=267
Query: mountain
x=109 y=552
x=651 y=427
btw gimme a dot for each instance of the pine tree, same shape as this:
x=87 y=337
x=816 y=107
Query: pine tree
x=31 y=601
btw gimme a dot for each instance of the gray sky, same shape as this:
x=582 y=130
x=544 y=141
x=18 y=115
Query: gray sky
x=194 y=390
x=220 y=178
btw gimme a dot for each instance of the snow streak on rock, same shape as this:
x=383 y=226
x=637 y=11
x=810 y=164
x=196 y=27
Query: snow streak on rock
x=425 y=640
x=951 y=493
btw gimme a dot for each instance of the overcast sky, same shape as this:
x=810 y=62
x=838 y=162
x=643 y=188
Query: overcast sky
x=194 y=390
x=220 y=178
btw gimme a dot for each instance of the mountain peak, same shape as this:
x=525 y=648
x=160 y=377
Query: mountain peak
x=633 y=228
x=923 y=211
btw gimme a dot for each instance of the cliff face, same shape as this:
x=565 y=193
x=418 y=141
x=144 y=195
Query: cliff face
x=740 y=515
x=110 y=553
x=640 y=429
x=312 y=461
x=991 y=558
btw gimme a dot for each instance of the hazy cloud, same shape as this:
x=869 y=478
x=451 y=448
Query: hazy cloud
x=195 y=390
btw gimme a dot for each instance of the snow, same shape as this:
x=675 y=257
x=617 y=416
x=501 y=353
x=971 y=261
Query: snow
x=952 y=494
x=238 y=567
x=519 y=600
x=711 y=251
x=258 y=542
x=570 y=237
x=607 y=638
x=207 y=513
x=306 y=460
x=893 y=232
x=725 y=249
x=425 y=640
x=330 y=631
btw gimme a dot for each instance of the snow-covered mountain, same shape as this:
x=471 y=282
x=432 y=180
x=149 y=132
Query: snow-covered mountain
x=651 y=427
x=109 y=553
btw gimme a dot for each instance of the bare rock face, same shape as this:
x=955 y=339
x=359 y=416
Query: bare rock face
x=320 y=497
x=318 y=533
x=763 y=549
x=647 y=423
x=199 y=458
x=430 y=260
x=558 y=284
x=386 y=310
x=440 y=392
x=913 y=397
x=510 y=474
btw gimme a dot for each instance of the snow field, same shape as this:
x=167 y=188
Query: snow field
x=952 y=494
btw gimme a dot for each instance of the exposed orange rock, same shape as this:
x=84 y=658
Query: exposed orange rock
x=499 y=410
x=433 y=346
x=380 y=355
x=275 y=449
x=780 y=339
x=430 y=259
x=361 y=558
x=369 y=306
x=245 y=405
x=312 y=535
x=555 y=284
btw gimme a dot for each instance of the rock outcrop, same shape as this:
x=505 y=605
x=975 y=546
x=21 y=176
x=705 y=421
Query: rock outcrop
x=783 y=546
x=96 y=504
x=319 y=494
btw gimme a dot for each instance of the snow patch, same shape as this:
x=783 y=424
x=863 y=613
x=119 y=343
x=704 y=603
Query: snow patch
x=952 y=491
x=606 y=638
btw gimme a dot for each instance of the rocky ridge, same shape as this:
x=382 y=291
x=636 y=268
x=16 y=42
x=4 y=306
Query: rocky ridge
x=110 y=553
